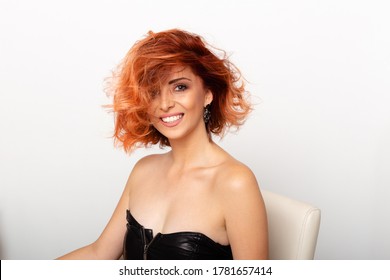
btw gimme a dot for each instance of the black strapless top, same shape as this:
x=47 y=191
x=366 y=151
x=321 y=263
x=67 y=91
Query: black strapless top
x=140 y=244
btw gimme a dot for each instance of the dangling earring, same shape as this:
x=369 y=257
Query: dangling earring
x=207 y=113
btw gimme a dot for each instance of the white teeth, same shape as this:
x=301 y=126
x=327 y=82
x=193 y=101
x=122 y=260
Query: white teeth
x=172 y=118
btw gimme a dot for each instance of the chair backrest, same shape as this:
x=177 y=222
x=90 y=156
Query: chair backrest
x=293 y=227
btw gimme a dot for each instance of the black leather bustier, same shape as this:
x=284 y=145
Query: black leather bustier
x=140 y=244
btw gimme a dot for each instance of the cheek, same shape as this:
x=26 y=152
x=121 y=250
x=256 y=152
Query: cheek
x=152 y=109
x=193 y=101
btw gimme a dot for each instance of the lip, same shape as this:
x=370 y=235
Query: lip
x=172 y=123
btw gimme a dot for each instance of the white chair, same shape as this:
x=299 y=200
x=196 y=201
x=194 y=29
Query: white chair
x=293 y=227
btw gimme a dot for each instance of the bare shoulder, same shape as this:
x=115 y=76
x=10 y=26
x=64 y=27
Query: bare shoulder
x=235 y=176
x=143 y=168
x=149 y=160
x=236 y=184
x=243 y=210
x=148 y=163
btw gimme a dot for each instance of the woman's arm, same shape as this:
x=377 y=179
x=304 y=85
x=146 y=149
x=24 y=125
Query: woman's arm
x=110 y=243
x=245 y=214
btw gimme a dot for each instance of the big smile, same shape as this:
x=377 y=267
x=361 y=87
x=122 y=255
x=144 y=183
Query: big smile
x=172 y=119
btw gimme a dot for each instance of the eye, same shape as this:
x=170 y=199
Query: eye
x=180 y=87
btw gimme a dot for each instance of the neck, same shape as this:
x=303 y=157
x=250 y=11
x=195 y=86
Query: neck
x=192 y=151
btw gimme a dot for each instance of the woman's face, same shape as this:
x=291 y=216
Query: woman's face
x=177 y=109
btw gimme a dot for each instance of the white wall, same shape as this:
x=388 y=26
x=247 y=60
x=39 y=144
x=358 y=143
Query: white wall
x=319 y=71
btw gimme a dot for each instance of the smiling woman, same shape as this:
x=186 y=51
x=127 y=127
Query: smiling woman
x=147 y=66
x=180 y=101
x=195 y=201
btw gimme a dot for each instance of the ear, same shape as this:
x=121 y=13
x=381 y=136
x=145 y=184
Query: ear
x=208 y=98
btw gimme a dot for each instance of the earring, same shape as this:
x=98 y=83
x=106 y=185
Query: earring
x=207 y=113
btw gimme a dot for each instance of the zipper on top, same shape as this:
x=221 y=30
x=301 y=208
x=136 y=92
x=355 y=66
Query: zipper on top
x=146 y=245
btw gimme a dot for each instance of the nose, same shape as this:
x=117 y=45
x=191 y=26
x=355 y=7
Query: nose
x=166 y=100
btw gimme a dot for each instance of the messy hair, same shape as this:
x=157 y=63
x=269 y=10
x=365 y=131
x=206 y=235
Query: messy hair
x=149 y=61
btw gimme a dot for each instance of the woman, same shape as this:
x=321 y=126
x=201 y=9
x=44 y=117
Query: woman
x=195 y=201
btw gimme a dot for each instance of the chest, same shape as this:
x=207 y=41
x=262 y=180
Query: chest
x=189 y=202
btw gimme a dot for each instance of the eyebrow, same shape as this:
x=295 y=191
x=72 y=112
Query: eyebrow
x=178 y=79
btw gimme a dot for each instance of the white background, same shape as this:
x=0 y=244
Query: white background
x=318 y=71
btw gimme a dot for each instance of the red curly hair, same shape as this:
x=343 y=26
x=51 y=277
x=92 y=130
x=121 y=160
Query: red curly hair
x=148 y=62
